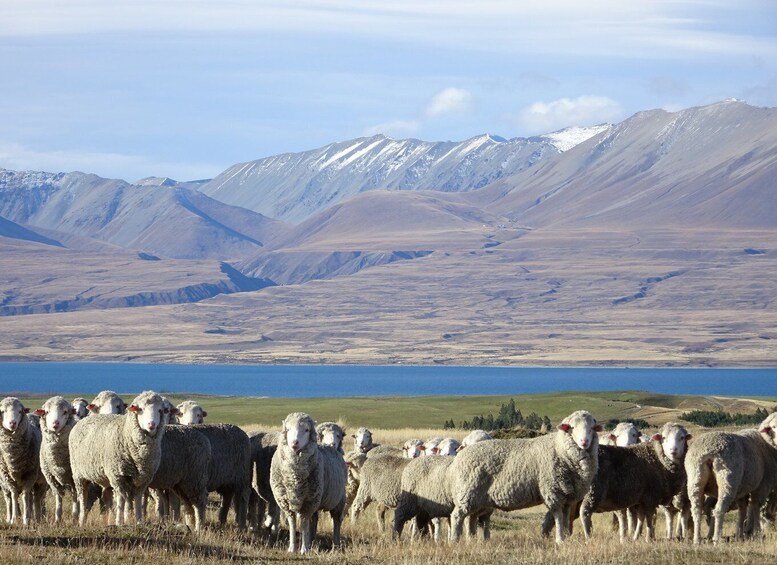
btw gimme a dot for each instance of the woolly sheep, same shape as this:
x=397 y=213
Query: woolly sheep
x=556 y=469
x=58 y=417
x=108 y=402
x=122 y=452
x=447 y=446
x=81 y=407
x=640 y=477
x=738 y=467
x=474 y=436
x=624 y=434
x=331 y=434
x=305 y=478
x=185 y=469
x=230 y=468
x=411 y=449
x=431 y=445
x=262 y=505
x=189 y=412
x=362 y=440
x=170 y=410
x=19 y=458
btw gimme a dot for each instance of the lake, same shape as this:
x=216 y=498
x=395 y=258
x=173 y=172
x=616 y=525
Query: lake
x=368 y=380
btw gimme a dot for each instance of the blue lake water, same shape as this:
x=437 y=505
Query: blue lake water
x=367 y=380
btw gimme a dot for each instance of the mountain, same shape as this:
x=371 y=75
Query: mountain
x=294 y=186
x=13 y=230
x=170 y=221
x=707 y=167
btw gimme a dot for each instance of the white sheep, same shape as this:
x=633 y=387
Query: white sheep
x=19 y=458
x=447 y=446
x=431 y=445
x=474 y=436
x=331 y=434
x=122 y=452
x=108 y=402
x=624 y=434
x=262 y=505
x=189 y=412
x=306 y=478
x=556 y=469
x=81 y=407
x=736 y=468
x=58 y=417
x=362 y=440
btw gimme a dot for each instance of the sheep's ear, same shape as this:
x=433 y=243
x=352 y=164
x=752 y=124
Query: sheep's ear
x=73 y=411
x=656 y=437
x=92 y=408
x=124 y=405
x=766 y=430
x=598 y=428
x=352 y=435
x=26 y=410
x=612 y=437
x=166 y=410
x=175 y=412
x=688 y=436
x=564 y=427
x=422 y=447
x=134 y=409
x=459 y=448
x=204 y=414
x=40 y=412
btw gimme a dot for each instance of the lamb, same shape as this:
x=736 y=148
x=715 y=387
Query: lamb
x=362 y=440
x=122 y=452
x=189 y=412
x=625 y=433
x=108 y=402
x=331 y=434
x=737 y=468
x=640 y=477
x=19 y=458
x=230 y=468
x=58 y=417
x=81 y=407
x=556 y=469
x=474 y=436
x=306 y=478
x=184 y=469
x=262 y=503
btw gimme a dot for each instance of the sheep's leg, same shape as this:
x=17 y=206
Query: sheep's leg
x=669 y=515
x=622 y=531
x=58 y=495
x=82 y=492
x=14 y=506
x=561 y=523
x=485 y=522
x=291 y=519
x=457 y=523
x=638 y=519
x=226 y=502
x=361 y=502
x=306 y=526
x=26 y=507
x=139 y=509
x=437 y=528
x=472 y=527
x=650 y=524
x=585 y=518
x=337 y=520
x=631 y=520
x=380 y=514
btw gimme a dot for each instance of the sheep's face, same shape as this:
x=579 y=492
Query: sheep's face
x=582 y=427
x=674 y=441
x=362 y=439
x=150 y=413
x=768 y=429
x=331 y=436
x=474 y=436
x=299 y=431
x=80 y=406
x=448 y=446
x=12 y=411
x=432 y=446
x=55 y=414
x=413 y=448
x=625 y=434
x=108 y=402
x=191 y=413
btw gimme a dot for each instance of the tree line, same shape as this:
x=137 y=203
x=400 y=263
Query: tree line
x=508 y=417
x=717 y=418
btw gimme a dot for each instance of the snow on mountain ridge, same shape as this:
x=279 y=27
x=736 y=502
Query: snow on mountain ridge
x=567 y=138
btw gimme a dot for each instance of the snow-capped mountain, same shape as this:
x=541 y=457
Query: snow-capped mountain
x=294 y=186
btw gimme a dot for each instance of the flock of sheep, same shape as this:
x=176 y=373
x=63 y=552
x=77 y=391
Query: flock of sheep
x=122 y=456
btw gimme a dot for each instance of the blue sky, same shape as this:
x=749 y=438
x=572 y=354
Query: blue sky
x=185 y=88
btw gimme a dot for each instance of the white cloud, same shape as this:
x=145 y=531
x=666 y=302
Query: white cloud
x=545 y=117
x=449 y=101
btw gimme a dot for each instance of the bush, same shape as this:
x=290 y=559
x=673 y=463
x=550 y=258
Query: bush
x=717 y=418
x=509 y=417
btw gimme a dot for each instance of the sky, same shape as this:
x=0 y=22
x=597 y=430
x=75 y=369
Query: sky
x=185 y=88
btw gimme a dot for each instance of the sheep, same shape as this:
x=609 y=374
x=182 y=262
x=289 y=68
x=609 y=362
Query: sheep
x=331 y=434
x=81 y=407
x=640 y=477
x=122 y=452
x=189 y=412
x=431 y=445
x=58 y=417
x=230 y=468
x=306 y=478
x=19 y=459
x=556 y=469
x=447 y=446
x=625 y=433
x=474 y=436
x=362 y=440
x=108 y=402
x=739 y=468
x=184 y=469
x=262 y=503
x=411 y=449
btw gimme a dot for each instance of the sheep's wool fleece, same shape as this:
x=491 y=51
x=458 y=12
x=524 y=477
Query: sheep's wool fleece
x=55 y=456
x=19 y=461
x=519 y=473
